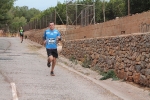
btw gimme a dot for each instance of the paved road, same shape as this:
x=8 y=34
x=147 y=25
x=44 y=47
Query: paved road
x=25 y=76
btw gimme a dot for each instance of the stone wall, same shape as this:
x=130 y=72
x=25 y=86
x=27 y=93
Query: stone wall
x=128 y=55
x=122 y=25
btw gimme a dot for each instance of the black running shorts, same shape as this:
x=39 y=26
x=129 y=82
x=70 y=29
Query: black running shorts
x=52 y=52
x=21 y=35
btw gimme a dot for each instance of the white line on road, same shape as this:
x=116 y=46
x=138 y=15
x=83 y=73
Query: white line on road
x=14 y=93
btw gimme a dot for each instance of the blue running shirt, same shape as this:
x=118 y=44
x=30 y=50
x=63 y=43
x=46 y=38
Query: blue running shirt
x=51 y=38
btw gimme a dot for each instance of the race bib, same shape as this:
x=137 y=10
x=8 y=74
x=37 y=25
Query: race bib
x=51 y=41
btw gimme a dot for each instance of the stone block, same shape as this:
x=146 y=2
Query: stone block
x=130 y=73
x=143 y=71
x=130 y=79
x=131 y=68
x=147 y=72
x=138 y=58
x=136 y=77
x=142 y=80
x=95 y=61
x=138 y=68
x=148 y=77
x=121 y=66
x=121 y=74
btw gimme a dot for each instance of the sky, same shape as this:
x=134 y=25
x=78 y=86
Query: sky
x=38 y=4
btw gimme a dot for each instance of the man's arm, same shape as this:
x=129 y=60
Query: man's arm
x=59 y=38
x=44 y=39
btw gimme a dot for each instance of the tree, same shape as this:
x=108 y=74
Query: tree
x=61 y=13
x=98 y=11
x=24 y=11
x=31 y=13
x=19 y=16
x=138 y=6
x=17 y=23
x=5 y=6
x=115 y=8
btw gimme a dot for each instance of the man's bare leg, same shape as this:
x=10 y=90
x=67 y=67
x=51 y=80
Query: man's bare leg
x=21 y=38
x=53 y=61
x=49 y=60
x=53 y=64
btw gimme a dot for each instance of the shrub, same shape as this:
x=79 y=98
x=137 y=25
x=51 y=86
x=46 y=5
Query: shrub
x=86 y=63
x=109 y=74
x=73 y=60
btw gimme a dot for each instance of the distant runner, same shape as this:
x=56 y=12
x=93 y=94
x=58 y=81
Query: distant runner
x=21 y=31
x=51 y=37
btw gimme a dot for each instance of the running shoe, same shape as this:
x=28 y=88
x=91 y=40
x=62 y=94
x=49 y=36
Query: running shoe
x=48 y=64
x=52 y=73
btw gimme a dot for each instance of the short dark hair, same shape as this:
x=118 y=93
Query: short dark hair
x=51 y=22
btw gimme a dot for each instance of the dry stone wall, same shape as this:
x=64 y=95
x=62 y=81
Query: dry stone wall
x=127 y=55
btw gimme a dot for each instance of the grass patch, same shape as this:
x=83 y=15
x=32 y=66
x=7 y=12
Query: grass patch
x=66 y=63
x=109 y=74
x=73 y=60
x=97 y=69
x=86 y=63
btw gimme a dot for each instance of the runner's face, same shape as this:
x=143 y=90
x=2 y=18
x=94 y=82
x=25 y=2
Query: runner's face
x=51 y=25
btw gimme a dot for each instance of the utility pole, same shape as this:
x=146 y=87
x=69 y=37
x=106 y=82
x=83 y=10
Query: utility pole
x=104 y=9
x=128 y=7
x=94 y=10
x=76 y=13
x=55 y=16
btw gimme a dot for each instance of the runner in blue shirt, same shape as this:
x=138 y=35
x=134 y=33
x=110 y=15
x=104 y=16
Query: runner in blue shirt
x=51 y=37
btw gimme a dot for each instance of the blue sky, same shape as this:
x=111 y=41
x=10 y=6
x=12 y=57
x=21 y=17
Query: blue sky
x=38 y=4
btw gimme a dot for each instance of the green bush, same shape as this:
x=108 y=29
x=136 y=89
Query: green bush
x=109 y=74
x=73 y=60
x=86 y=63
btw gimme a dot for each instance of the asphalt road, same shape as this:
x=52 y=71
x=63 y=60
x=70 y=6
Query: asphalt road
x=25 y=76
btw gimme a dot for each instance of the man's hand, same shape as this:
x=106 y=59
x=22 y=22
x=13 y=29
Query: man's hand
x=59 y=39
x=44 y=42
